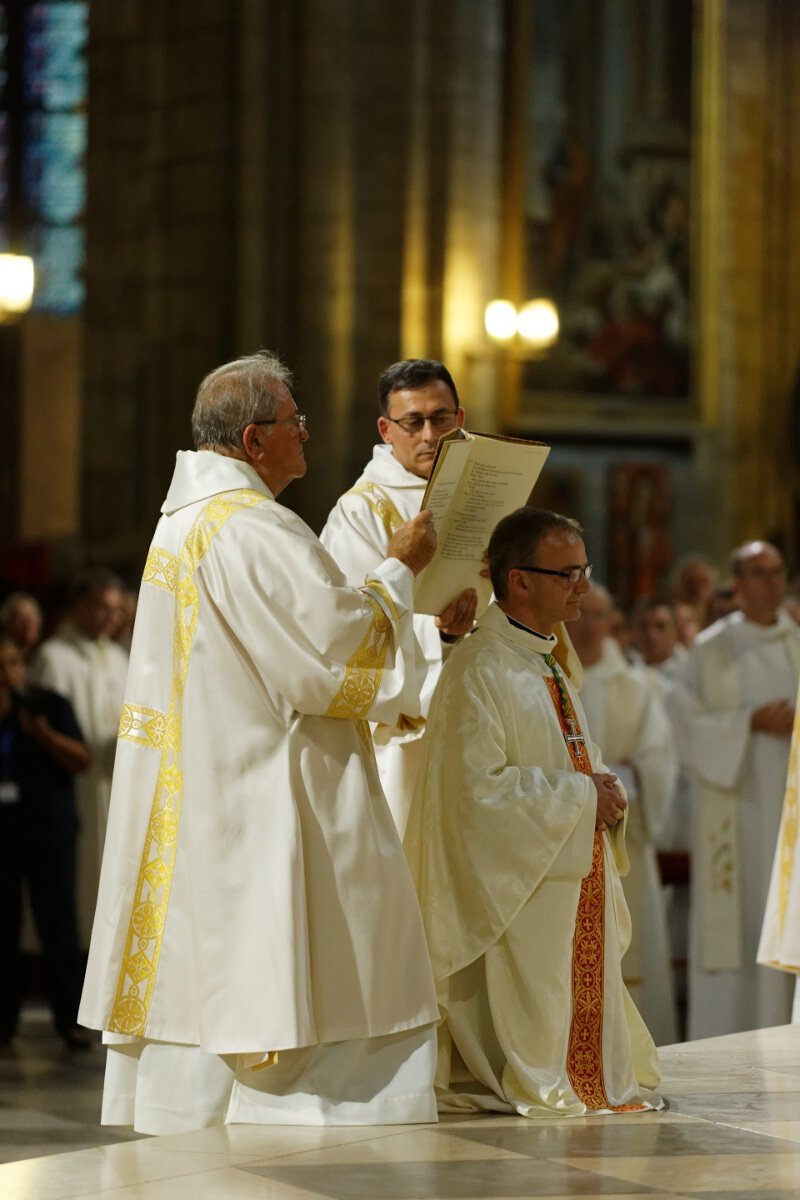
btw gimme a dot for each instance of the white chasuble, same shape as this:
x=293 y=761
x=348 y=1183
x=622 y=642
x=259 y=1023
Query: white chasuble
x=254 y=896
x=357 y=534
x=779 y=946
x=738 y=779
x=627 y=718
x=501 y=842
x=91 y=674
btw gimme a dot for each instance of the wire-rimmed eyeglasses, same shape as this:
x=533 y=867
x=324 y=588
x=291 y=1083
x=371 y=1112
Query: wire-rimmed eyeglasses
x=298 y=420
x=571 y=574
x=440 y=421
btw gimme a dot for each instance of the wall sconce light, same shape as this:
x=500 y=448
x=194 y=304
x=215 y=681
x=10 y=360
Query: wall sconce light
x=536 y=323
x=16 y=284
x=500 y=320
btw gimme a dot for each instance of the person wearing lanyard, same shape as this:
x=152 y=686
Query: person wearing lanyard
x=41 y=749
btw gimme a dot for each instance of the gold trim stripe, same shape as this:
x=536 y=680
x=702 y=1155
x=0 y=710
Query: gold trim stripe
x=161 y=569
x=787 y=839
x=585 y=1048
x=142 y=726
x=139 y=966
x=381 y=504
x=363 y=673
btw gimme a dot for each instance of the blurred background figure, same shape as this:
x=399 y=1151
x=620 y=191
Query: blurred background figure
x=655 y=635
x=693 y=580
x=628 y=720
x=621 y=630
x=83 y=663
x=722 y=602
x=41 y=750
x=732 y=700
x=21 y=619
x=689 y=620
x=122 y=629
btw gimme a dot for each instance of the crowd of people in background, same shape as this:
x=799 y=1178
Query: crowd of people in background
x=691 y=695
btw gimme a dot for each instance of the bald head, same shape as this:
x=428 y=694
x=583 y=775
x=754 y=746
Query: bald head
x=759 y=581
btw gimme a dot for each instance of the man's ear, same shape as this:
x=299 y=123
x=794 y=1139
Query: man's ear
x=383 y=429
x=252 y=438
x=516 y=580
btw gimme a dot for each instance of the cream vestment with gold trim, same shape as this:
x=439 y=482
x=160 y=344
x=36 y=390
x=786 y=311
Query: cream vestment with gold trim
x=780 y=934
x=357 y=535
x=500 y=837
x=737 y=780
x=254 y=896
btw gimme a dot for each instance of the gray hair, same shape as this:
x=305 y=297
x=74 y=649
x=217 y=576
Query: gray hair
x=235 y=394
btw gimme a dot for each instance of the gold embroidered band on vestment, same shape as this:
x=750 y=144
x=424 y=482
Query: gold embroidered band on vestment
x=787 y=838
x=142 y=726
x=381 y=504
x=142 y=950
x=585 y=1049
x=364 y=671
x=161 y=569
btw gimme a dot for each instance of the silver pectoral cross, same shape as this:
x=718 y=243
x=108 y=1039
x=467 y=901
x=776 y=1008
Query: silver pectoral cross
x=573 y=737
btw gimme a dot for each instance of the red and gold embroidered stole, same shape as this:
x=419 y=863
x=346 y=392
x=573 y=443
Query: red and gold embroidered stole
x=585 y=1050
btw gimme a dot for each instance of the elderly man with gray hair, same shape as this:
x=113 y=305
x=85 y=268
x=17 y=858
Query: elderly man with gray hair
x=255 y=907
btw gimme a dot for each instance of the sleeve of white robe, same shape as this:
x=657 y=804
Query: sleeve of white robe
x=656 y=761
x=712 y=741
x=356 y=537
x=309 y=637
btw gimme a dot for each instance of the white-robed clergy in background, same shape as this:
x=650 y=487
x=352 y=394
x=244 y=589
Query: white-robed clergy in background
x=254 y=895
x=627 y=717
x=516 y=844
x=418 y=402
x=780 y=934
x=83 y=663
x=732 y=702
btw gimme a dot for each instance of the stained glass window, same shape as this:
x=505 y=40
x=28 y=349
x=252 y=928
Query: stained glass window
x=43 y=131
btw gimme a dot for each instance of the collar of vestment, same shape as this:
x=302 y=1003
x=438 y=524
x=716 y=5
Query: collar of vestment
x=383 y=468
x=610 y=664
x=782 y=626
x=201 y=474
x=514 y=631
x=69 y=632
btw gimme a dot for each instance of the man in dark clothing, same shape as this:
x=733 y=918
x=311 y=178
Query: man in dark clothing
x=41 y=749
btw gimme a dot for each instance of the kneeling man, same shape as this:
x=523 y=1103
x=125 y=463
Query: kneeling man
x=516 y=844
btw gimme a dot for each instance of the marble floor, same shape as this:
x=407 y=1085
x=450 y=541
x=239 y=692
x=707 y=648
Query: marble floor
x=732 y=1130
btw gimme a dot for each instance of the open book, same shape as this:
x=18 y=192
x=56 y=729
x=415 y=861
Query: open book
x=476 y=479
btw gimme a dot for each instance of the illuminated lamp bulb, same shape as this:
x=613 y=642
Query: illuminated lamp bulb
x=500 y=320
x=538 y=323
x=16 y=283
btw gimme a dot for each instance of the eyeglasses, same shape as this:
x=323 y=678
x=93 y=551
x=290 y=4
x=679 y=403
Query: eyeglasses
x=298 y=420
x=439 y=421
x=572 y=574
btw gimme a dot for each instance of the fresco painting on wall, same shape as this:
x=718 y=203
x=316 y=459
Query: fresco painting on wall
x=607 y=212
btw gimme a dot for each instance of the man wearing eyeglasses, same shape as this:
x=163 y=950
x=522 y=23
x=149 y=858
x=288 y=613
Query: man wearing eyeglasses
x=255 y=906
x=732 y=700
x=418 y=402
x=515 y=841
